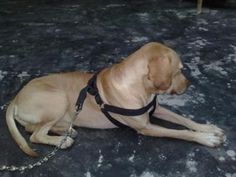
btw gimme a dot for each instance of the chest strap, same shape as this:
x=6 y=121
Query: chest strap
x=92 y=89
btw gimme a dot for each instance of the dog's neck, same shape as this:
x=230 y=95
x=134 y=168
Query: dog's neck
x=125 y=80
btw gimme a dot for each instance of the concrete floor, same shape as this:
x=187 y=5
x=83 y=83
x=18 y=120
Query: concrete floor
x=41 y=37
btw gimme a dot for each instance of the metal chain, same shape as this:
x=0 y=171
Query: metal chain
x=23 y=168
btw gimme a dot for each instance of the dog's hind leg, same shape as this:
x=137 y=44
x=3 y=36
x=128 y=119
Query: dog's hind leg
x=62 y=127
x=49 y=116
x=40 y=135
x=57 y=129
x=30 y=128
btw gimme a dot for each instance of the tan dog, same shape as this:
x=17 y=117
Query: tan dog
x=48 y=103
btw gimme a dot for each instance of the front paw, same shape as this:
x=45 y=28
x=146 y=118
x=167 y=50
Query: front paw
x=209 y=139
x=66 y=142
x=209 y=128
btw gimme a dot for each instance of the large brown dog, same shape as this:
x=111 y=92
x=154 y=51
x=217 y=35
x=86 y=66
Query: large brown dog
x=48 y=103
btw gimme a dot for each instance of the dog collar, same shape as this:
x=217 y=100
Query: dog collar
x=92 y=89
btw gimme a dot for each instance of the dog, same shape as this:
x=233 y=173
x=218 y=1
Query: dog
x=47 y=104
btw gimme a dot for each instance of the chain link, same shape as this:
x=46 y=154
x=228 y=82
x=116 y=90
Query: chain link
x=23 y=168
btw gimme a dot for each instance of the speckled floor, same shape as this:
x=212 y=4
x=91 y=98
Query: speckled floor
x=41 y=37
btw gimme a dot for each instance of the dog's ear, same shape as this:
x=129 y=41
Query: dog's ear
x=159 y=73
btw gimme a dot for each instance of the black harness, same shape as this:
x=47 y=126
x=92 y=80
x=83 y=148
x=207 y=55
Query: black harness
x=92 y=89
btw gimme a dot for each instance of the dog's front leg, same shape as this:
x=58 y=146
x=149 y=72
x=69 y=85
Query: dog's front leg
x=208 y=139
x=170 y=116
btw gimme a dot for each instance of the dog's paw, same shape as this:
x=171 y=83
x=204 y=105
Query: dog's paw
x=209 y=128
x=73 y=133
x=209 y=139
x=67 y=143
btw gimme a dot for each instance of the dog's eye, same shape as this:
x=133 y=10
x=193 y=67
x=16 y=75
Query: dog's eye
x=185 y=70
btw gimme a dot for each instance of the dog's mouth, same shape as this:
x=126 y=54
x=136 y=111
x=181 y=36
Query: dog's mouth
x=173 y=92
x=177 y=92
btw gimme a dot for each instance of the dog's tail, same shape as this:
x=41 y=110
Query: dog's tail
x=10 y=118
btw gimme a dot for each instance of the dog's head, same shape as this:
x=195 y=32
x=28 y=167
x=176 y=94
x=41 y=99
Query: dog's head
x=164 y=73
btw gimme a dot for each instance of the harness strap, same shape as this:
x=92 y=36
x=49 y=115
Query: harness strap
x=114 y=121
x=81 y=98
x=92 y=89
x=129 y=112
